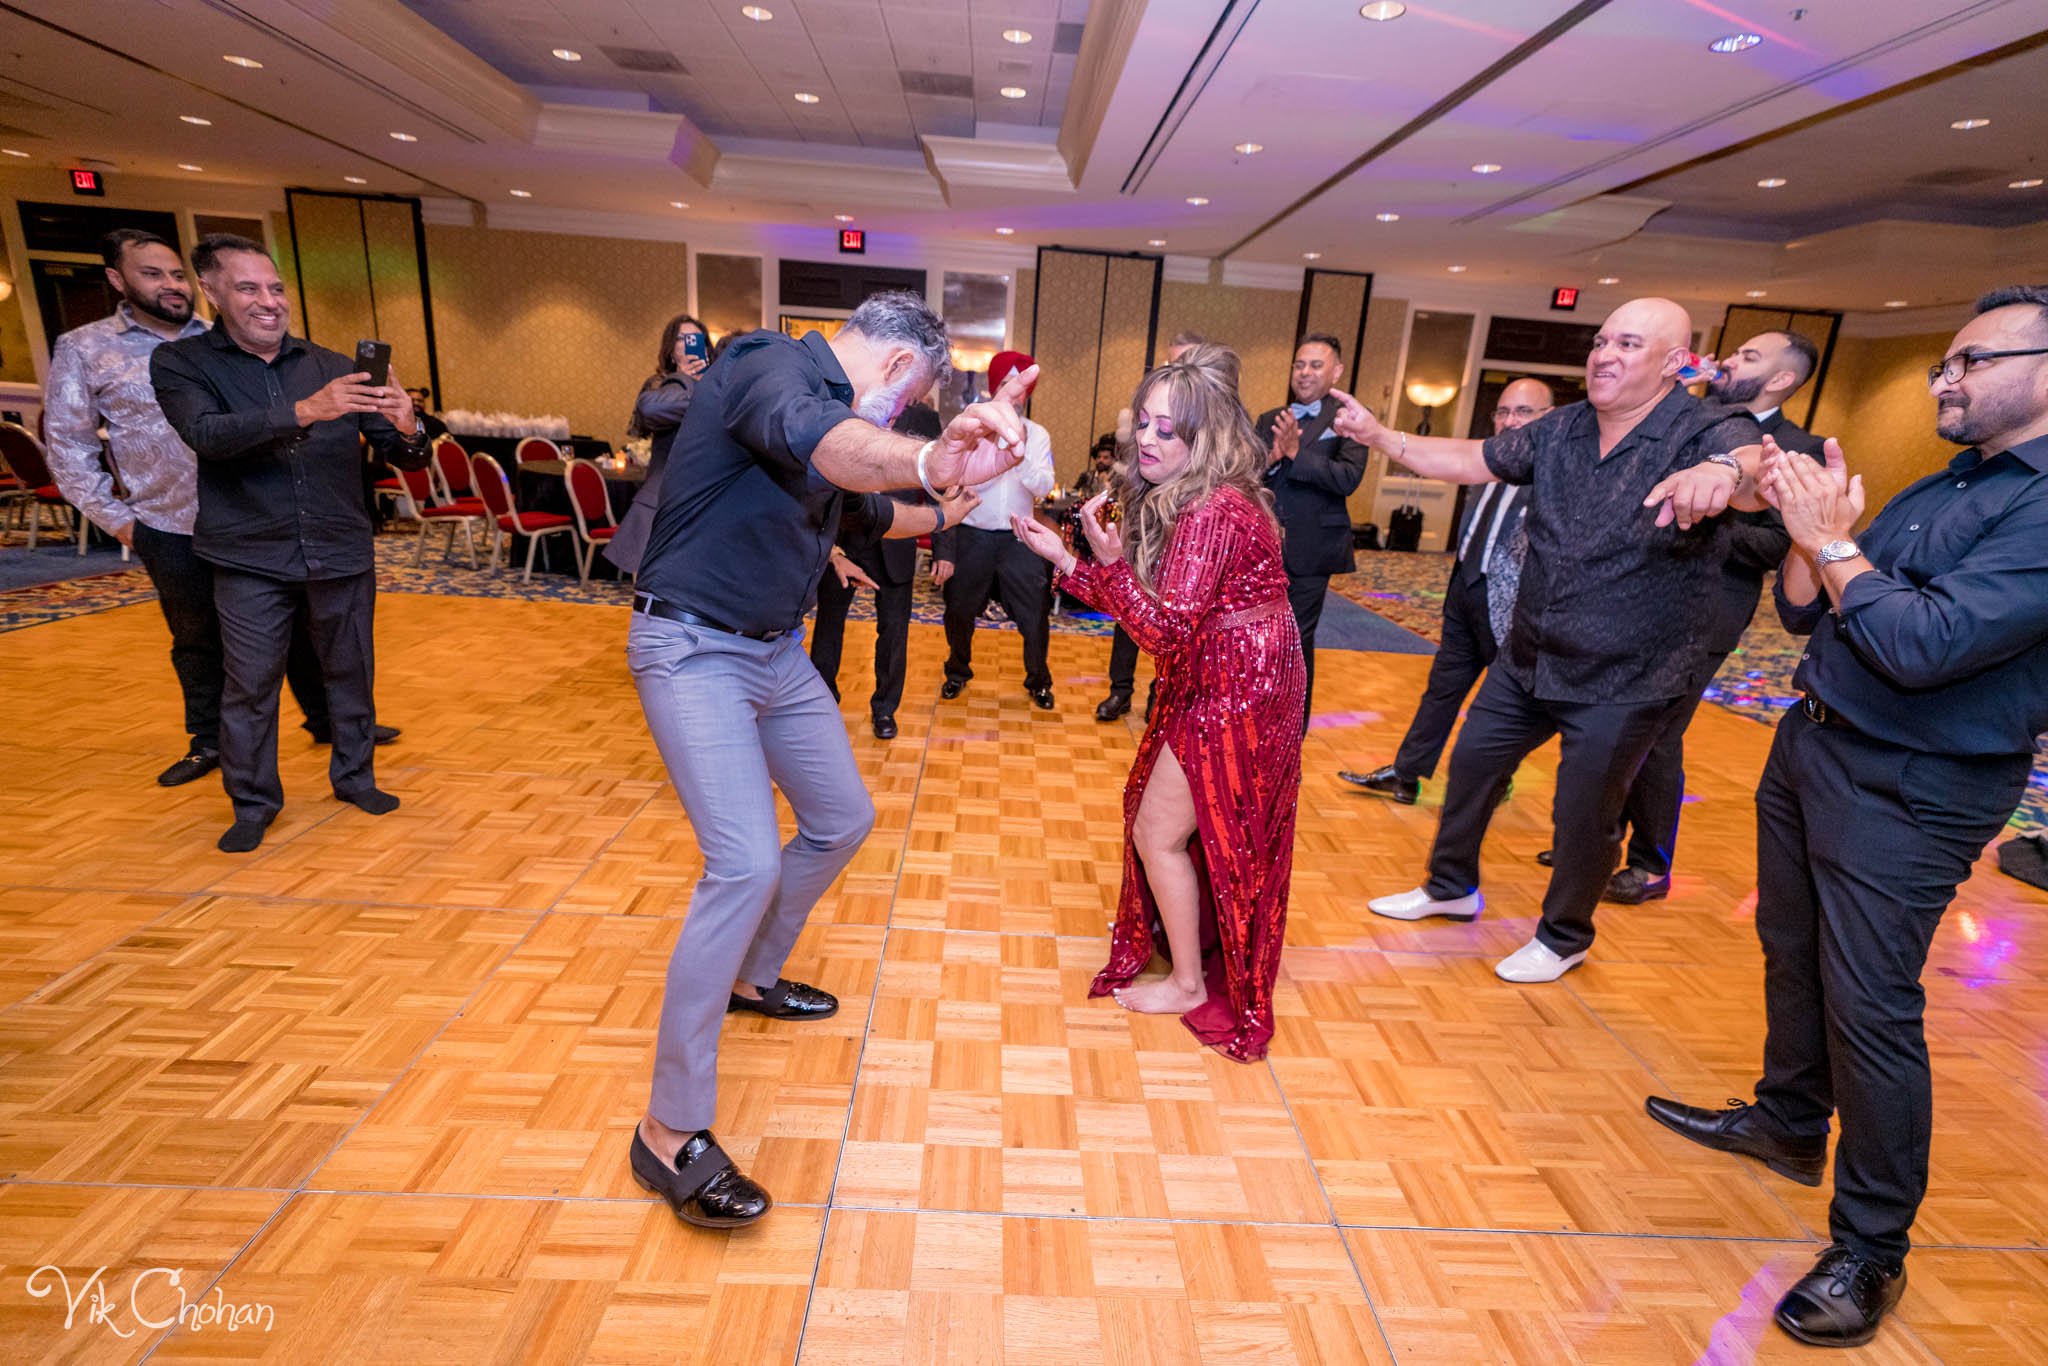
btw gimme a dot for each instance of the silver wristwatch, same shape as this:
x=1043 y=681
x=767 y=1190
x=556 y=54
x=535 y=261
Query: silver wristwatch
x=1836 y=551
x=1723 y=458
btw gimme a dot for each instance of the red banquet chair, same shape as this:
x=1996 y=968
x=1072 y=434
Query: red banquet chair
x=23 y=456
x=535 y=448
x=451 y=462
x=506 y=518
x=591 y=502
x=426 y=502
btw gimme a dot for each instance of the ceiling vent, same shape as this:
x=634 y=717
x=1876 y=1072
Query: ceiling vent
x=651 y=59
x=1066 y=40
x=1958 y=175
x=937 y=83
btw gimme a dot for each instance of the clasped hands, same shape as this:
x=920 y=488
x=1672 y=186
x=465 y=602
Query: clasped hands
x=1104 y=538
x=1820 y=503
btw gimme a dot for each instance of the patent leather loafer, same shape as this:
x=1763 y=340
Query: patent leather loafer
x=1742 y=1128
x=1385 y=782
x=1547 y=859
x=1841 y=1302
x=885 y=728
x=951 y=689
x=197 y=764
x=703 y=1187
x=1633 y=886
x=788 y=1000
x=1111 y=707
x=1041 y=698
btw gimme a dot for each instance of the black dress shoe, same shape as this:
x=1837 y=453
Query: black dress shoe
x=885 y=728
x=1742 y=1128
x=197 y=764
x=382 y=735
x=1842 y=1300
x=243 y=836
x=787 y=1000
x=1545 y=859
x=952 y=688
x=1633 y=886
x=1113 y=706
x=1041 y=698
x=703 y=1187
x=1385 y=782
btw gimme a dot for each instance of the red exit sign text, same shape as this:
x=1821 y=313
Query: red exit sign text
x=1565 y=297
x=87 y=182
x=853 y=240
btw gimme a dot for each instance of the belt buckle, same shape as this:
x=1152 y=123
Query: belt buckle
x=643 y=602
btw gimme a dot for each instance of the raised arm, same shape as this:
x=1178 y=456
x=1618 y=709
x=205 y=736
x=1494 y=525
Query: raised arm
x=1433 y=457
x=979 y=444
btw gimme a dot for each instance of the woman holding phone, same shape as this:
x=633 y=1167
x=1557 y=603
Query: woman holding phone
x=1190 y=565
x=684 y=354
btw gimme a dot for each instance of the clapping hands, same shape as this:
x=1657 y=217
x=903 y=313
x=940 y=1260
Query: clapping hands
x=1820 y=503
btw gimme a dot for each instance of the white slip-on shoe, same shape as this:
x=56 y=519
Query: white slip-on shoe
x=1534 y=962
x=1417 y=905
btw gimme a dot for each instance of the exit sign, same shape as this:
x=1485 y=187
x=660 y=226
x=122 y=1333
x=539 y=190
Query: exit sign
x=1565 y=298
x=87 y=182
x=853 y=240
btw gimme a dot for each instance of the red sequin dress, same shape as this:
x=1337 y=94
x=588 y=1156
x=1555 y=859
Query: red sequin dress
x=1230 y=698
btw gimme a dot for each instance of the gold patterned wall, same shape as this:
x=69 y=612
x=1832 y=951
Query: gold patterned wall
x=17 y=362
x=1744 y=321
x=359 y=264
x=1258 y=324
x=1071 y=290
x=1126 y=332
x=1371 y=382
x=1876 y=403
x=541 y=322
x=1333 y=304
x=1020 y=325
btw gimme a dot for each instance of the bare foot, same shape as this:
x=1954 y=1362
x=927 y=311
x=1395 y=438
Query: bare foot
x=1160 y=996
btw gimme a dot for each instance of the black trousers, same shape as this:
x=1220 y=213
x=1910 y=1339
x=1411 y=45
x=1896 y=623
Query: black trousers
x=257 y=617
x=1123 y=663
x=184 y=591
x=892 y=637
x=1463 y=653
x=1860 y=848
x=983 y=563
x=1658 y=794
x=1601 y=747
x=1305 y=595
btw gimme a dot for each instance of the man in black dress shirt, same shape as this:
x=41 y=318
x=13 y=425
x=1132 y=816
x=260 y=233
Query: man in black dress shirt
x=778 y=434
x=1468 y=644
x=1312 y=468
x=1610 y=618
x=1762 y=375
x=278 y=426
x=1926 y=686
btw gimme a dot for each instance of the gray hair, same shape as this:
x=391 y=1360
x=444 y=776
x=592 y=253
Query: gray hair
x=2006 y=297
x=900 y=318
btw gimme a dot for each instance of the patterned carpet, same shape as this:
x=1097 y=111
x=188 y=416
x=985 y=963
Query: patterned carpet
x=1405 y=589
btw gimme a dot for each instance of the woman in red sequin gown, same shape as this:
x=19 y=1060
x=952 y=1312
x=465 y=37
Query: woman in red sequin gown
x=1193 y=572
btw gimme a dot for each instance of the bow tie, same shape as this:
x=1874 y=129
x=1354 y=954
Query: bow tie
x=1304 y=411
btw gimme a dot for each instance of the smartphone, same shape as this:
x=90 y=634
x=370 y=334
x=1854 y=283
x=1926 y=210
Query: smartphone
x=373 y=358
x=697 y=344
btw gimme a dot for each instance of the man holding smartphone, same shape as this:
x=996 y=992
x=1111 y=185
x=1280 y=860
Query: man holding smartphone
x=277 y=423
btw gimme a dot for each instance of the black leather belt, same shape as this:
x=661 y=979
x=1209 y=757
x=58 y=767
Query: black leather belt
x=1820 y=714
x=655 y=607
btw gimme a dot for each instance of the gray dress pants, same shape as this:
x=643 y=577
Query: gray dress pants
x=735 y=719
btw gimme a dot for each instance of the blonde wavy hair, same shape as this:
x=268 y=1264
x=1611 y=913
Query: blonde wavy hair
x=1200 y=396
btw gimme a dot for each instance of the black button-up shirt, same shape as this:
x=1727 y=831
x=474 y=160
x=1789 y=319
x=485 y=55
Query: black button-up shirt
x=745 y=524
x=275 y=498
x=1613 y=608
x=1943 y=646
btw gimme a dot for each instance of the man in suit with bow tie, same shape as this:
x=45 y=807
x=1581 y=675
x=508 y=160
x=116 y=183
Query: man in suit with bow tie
x=1479 y=602
x=1312 y=470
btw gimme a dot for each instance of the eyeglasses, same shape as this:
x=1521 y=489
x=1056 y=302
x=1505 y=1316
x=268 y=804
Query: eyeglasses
x=1953 y=368
x=1525 y=412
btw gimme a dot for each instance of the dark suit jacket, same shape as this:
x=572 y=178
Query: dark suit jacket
x=1309 y=493
x=658 y=411
x=1758 y=545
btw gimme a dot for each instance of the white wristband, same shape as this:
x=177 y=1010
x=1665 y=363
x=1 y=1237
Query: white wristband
x=922 y=452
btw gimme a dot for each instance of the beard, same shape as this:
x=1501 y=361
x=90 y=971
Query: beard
x=172 y=312
x=880 y=406
x=1969 y=422
x=1728 y=389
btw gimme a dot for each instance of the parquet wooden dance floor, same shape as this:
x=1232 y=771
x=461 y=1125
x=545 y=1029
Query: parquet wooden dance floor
x=378 y=1078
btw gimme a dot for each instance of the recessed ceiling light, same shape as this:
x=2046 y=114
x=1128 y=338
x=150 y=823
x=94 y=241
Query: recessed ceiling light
x=403 y=137
x=13 y=152
x=1455 y=270
x=760 y=14
x=1013 y=92
x=1753 y=293
x=2031 y=183
x=188 y=166
x=1771 y=182
x=806 y=97
x=842 y=217
x=1894 y=303
x=1155 y=242
x=1311 y=256
x=677 y=204
x=1016 y=35
x=1379 y=11
x=1388 y=217
x=1735 y=42
x=1608 y=280
x=1005 y=232
x=1249 y=149
x=1485 y=168
x=521 y=194
x=195 y=120
x=247 y=63
x=355 y=180
x=1965 y=125
x=568 y=54
x=1197 y=200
